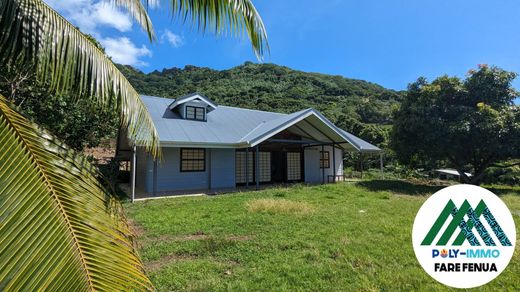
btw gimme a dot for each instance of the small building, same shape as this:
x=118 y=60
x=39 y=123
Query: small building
x=206 y=147
x=449 y=174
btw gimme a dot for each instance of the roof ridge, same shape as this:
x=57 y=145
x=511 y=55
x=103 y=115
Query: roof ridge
x=247 y=134
x=296 y=115
x=253 y=110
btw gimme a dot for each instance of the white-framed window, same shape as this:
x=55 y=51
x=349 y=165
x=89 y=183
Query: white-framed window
x=195 y=113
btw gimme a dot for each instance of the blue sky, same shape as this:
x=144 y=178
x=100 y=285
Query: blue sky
x=389 y=42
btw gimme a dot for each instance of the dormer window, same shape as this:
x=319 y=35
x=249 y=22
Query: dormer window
x=193 y=107
x=195 y=113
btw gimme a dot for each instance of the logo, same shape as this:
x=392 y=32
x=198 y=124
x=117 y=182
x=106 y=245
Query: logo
x=464 y=236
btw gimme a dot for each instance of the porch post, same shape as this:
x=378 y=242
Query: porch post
x=322 y=168
x=381 y=165
x=134 y=158
x=334 y=161
x=257 y=168
x=247 y=167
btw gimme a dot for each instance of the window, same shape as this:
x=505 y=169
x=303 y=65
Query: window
x=294 y=169
x=240 y=167
x=193 y=159
x=195 y=113
x=324 y=159
x=264 y=167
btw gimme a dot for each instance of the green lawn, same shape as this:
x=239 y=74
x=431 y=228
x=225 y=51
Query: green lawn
x=331 y=237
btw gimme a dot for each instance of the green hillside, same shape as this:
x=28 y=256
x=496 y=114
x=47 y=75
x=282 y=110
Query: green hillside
x=273 y=88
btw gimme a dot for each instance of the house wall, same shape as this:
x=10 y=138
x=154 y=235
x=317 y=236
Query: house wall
x=143 y=171
x=313 y=172
x=222 y=168
x=170 y=178
x=221 y=162
x=311 y=158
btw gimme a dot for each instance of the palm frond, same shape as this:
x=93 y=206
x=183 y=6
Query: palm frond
x=139 y=14
x=33 y=33
x=235 y=16
x=60 y=230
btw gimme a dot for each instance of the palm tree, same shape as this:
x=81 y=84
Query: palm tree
x=60 y=229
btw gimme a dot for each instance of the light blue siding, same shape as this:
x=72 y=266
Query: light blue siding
x=313 y=172
x=222 y=168
x=143 y=177
x=311 y=162
x=170 y=177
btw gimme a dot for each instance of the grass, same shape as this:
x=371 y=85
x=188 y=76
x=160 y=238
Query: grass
x=330 y=237
x=279 y=206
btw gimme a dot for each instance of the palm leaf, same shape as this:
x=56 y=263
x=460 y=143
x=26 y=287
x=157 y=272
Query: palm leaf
x=33 y=33
x=235 y=16
x=60 y=230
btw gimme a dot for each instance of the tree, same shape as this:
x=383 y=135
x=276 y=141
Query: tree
x=79 y=123
x=60 y=229
x=467 y=124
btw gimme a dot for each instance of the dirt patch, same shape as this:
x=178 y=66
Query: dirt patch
x=102 y=154
x=137 y=229
x=279 y=206
x=166 y=260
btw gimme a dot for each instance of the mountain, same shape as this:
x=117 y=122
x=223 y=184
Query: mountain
x=273 y=88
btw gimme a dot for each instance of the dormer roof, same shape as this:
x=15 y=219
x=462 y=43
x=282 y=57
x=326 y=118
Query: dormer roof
x=194 y=97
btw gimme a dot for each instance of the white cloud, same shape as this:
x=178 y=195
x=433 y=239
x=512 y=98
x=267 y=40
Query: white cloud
x=110 y=15
x=124 y=51
x=174 y=39
x=89 y=15
x=92 y=15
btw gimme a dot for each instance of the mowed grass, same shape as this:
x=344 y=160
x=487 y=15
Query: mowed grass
x=330 y=237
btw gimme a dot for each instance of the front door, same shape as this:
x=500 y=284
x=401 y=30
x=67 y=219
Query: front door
x=278 y=159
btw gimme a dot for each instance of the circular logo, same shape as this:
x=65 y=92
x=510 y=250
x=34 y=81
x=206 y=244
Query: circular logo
x=464 y=236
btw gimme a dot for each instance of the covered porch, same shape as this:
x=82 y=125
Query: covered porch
x=308 y=148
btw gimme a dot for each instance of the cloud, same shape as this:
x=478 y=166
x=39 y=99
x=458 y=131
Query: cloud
x=93 y=15
x=90 y=15
x=124 y=51
x=174 y=39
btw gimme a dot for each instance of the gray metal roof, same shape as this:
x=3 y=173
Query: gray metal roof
x=238 y=127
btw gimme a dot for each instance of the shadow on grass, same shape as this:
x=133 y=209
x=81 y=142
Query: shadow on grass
x=503 y=190
x=418 y=188
x=400 y=186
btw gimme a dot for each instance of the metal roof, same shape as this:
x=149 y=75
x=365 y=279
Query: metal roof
x=453 y=172
x=231 y=127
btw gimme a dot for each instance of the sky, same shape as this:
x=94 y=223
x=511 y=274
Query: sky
x=388 y=42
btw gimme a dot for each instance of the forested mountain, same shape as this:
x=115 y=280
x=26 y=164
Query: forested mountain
x=273 y=88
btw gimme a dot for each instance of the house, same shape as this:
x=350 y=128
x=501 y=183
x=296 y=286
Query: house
x=207 y=146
